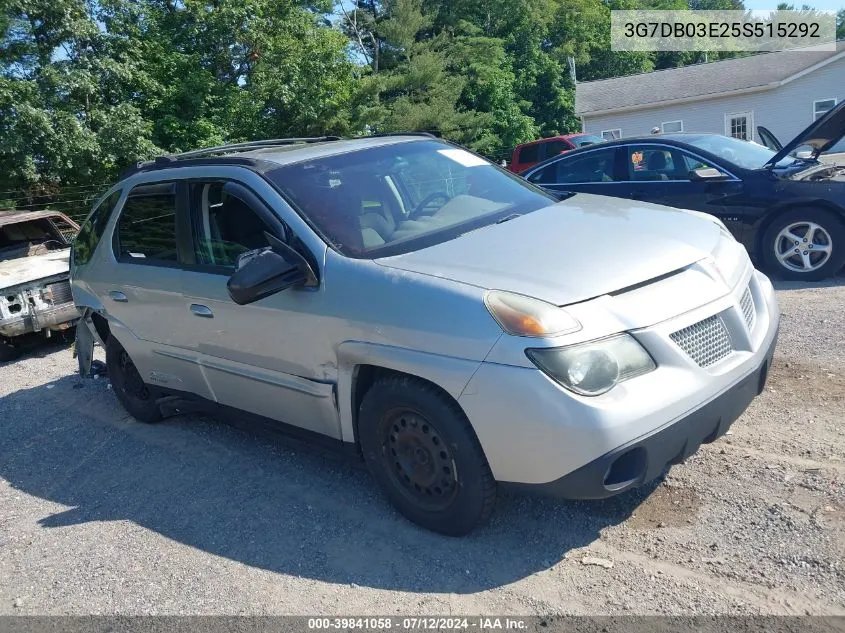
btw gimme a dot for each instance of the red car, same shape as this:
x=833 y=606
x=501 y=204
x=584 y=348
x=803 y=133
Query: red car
x=529 y=154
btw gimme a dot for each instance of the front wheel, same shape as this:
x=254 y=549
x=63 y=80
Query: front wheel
x=419 y=446
x=135 y=396
x=805 y=245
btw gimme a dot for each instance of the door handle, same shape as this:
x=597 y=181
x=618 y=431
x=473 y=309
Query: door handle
x=201 y=311
x=116 y=295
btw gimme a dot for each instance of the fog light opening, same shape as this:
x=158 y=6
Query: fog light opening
x=626 y=469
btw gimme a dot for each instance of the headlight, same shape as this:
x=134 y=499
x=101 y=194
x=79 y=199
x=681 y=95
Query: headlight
x=594 y=368
x=525 y=316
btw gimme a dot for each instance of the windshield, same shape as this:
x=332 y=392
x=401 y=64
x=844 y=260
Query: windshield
x=588 y=139
x=403 y=196
x=30 y=237
x=741 y=153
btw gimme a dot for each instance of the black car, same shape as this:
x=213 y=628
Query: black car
x=786 y=206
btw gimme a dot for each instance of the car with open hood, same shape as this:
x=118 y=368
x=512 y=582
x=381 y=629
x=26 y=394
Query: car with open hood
x=786 y=205
x=454 y=326
x=34 y=287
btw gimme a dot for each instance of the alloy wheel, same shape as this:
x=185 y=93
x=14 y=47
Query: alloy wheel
x=803 y=247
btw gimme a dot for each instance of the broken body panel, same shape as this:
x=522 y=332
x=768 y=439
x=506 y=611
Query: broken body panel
x=35 y=290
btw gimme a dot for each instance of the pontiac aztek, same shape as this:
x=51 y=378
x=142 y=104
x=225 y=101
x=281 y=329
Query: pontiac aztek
x=456 y=326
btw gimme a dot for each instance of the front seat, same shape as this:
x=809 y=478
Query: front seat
x=377 y=221
x=239 y=224
x=656 y=164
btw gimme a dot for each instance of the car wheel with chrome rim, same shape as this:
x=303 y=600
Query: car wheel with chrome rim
x=805 y=245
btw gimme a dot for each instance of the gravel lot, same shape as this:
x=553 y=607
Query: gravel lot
x=102 y=515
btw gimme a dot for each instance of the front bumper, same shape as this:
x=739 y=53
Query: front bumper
x=642 y=460
x=536 y=433
x=54 y=318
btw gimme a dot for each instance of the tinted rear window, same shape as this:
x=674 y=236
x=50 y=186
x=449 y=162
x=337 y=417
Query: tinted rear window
x=92 y=230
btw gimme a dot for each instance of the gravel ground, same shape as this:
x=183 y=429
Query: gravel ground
x=102 y=515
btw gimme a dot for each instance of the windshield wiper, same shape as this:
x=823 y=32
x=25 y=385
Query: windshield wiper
x=508 y=218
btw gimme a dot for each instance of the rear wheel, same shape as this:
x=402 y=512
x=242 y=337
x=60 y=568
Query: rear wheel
x=805 y=245
x=135 y=396
x=420 y=447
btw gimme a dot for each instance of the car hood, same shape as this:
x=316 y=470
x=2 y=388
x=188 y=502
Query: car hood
x=821 y=135
x=22 y=270
x=578 y=249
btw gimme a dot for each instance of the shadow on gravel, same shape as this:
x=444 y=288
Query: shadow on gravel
x=268 y=503
x=833 y=282
x=39 y=346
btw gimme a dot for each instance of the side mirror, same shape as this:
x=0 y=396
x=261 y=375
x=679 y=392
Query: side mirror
x=706 y=173
x=267 y=271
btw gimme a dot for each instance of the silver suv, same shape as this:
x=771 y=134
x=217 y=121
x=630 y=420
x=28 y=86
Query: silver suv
x=459 y=328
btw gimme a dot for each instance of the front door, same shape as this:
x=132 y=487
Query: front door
x=663 y=174
x=260 y=357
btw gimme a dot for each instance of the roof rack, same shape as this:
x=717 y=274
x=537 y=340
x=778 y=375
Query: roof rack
x=383 y=134
x=207 y=152
x=248 y=145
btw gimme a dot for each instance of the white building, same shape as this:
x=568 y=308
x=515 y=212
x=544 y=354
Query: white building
x=783 y=91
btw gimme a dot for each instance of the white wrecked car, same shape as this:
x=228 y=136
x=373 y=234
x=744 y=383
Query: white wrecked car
x=34 y=288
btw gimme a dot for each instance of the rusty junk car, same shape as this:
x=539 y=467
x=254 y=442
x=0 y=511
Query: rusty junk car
x=35 y=291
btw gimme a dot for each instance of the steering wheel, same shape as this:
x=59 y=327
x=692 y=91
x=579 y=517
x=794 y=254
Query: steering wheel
x=427 y=201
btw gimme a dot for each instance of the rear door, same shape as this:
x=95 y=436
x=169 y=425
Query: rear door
x=138 y=279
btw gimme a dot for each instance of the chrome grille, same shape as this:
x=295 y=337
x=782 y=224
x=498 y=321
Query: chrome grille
x=748 y=311
x=706 y=342
x=60 y=292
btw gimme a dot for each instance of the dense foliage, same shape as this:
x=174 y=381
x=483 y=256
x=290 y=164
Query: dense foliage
x=89 y=86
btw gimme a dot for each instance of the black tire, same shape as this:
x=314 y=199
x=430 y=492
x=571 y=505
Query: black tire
x=439 y=478
x=832 y=235
x=138 y=398
x=8 y=350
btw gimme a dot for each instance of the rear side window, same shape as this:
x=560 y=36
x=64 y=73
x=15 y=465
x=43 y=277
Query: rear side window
x=92 y=230
x=146 y=230
x=530 y=154
x=594 y=166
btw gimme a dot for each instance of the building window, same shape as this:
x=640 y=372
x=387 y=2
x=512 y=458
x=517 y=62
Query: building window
x=821 y=107
x=670 y=127
x=740 y=125
x=610 y=135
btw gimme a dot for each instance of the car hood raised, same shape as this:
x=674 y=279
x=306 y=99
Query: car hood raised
x=578 y=249
x=821 y=135
x=22 y=270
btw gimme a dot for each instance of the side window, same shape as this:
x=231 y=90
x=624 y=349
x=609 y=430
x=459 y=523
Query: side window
x=654 y=163
x=92 y=230
x=692 y=163
x=530 y=154
x=223 y=226
x=146 y=230
x=594 y=166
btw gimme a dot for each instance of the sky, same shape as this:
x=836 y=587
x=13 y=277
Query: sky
x=821 y=5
